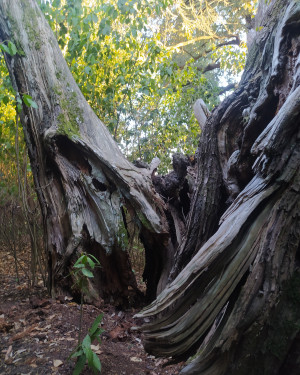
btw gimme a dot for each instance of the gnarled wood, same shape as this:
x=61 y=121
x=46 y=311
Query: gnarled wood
x=81 y=177
x=226 y=303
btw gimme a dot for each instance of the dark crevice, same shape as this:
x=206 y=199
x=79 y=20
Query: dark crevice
x=184 y=198
x=69 y=150
x=99 y=185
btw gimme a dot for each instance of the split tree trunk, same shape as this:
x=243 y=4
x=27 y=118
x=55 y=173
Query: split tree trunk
x=86 y=188
x=237 y=302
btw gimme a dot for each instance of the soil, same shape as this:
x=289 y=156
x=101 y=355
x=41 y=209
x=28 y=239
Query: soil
x=37 y=334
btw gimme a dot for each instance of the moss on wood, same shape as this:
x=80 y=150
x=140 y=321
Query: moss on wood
x=71 y=115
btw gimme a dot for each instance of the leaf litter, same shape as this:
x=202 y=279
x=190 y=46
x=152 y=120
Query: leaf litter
x=37 y=334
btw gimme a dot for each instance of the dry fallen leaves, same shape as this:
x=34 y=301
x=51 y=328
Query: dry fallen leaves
x=8 y=353
x=57 y=362
x=136 y=359
x=22 y=334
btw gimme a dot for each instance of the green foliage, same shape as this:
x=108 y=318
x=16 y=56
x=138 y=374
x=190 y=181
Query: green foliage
x=84 y=352
x=82 y=272
x=10 y=48
x=124 y=58
x=27 y=99
x=140 y=65
x=8 y=166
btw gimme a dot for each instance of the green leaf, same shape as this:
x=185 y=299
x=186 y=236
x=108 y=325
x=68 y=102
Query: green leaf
x=96 y=362
x=29 y=102
x=87 y=272
x=5 y=99
x=95 y=324
x=56 y=3
x=87 y=70
x=96 y=334
x=86 y=343
x=79 y=260
x=19 y=108
x=91 y=262
x=89 y=356
x=12 y=48
x=94 y=18
x=79 y=365
x=77 y=353
x=95 y=259
x=80 y=265
x=5 y=48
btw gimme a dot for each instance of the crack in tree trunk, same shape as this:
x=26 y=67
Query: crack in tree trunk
x=220 y=304
x=228 y=242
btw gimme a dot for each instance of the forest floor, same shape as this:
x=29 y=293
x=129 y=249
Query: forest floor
x=37 y=333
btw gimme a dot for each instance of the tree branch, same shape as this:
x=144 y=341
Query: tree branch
x=202 y=37
x=210 y=67
x=227 y=88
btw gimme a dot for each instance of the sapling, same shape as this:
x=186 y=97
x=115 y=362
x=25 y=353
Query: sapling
x=82 y=272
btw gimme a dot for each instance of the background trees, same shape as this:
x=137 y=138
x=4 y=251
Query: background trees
x=142 y=65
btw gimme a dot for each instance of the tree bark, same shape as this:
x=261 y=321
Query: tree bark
x=83 y=182
x=228 y=243
x=236 y=303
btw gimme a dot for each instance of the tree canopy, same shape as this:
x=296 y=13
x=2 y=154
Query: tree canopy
x=142 y=64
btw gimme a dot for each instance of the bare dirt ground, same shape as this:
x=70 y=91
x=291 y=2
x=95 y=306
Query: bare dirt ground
x=37 y=333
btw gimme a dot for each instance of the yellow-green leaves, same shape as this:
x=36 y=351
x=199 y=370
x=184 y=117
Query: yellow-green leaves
x=125 y=58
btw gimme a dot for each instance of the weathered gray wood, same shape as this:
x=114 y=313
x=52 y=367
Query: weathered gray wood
x=81 y=177
x=236 y=255
x=201 y=112
x=229 y=299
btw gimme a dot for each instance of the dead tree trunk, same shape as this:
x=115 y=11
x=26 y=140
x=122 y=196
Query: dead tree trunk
x=236 y=304
x=86 y=188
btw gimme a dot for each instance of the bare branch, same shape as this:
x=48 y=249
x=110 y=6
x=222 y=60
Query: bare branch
x=202 y=37
x=227 y=88
x=210 y=67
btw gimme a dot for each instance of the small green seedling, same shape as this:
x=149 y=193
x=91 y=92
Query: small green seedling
x=83 y=271
x=84 y=352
